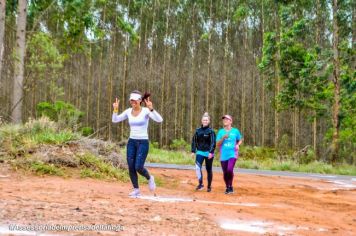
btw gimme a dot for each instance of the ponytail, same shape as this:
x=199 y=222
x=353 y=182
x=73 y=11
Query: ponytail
x=145 y=96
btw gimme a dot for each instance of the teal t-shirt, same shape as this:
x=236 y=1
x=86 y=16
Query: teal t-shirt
x=227 y=149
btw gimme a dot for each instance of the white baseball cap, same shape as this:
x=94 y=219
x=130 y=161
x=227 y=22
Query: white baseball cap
x=135 y=96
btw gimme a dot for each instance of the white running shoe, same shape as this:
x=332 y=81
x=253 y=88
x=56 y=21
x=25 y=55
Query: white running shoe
x=151 y=183
x=135 y=193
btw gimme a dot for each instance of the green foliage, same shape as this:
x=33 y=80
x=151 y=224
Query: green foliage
x=44 y=60
x=37 y=166
x=97 y=168
x=179 y=144
x=18 y=140
x=86 y=131
x=268 y=60
x=44 y=57
x=45 y=169
x=126 y=27
x=49 y=137
x=295 y=55
x=154 y=145
x=259 y=158
x=256 y=153
x=241 y=13
x=165 y=156
x=247 y=164
x=89 y=173
x=63 y=113
x=305 y=156
x=302 y=72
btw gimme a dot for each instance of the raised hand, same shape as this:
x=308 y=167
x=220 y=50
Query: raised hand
x=116 y=105
x=149 y=104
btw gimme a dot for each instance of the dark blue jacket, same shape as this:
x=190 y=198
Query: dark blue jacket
x=204 y=140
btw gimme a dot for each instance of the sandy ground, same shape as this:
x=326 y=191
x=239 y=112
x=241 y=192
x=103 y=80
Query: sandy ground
x=260 y=205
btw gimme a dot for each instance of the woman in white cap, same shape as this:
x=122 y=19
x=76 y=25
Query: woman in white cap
x=137 y=145
x=228 y=140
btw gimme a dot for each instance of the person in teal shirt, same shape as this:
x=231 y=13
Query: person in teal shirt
x=228 y=141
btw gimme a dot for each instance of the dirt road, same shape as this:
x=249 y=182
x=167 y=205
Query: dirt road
x=261 y=205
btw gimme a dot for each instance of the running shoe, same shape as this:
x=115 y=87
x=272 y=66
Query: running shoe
x=199 y=187
x=135 y=193
x=151 y=183
x=231 y=190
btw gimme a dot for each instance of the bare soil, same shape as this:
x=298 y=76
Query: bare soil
x=264 y=205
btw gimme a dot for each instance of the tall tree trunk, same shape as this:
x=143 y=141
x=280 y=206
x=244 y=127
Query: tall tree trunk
x=254 y=121
x=207 y=94
x=277 y=80
x=353 y=24
x=318 y=40
x=295 y=128
x=243 y=78
x=123 y=88
x=226 y=51
x=152 y=46
x=191 y=82
x=89 y=84
x=176 y=87
x=315 y=134
x=2 y=32
x=336 y=82
x=110 y=84
x=263 y=119
x=19 y=62
x=164 y=84
x=101 y=76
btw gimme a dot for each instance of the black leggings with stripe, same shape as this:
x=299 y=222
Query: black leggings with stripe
x=209 y=168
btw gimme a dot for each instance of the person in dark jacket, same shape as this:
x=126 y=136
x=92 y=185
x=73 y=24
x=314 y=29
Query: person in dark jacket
x=203 y=146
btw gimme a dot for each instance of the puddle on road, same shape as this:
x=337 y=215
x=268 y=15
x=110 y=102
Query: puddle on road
x=175 y=199
x=260 y=227
x=343 y=185
x=325 y=176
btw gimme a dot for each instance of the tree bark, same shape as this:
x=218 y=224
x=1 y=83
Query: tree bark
x=277 y=80
x=19 y=62
x=2 y=32
x=336 y=82
x=263 y=119
x=208 y=94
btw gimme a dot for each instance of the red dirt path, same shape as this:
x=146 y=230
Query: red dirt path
x=270 y=205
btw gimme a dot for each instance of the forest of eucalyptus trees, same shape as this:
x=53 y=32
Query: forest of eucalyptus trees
x=284 y=69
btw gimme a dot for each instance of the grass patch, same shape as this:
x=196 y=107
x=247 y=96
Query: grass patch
x=37 y=167
x=254 y=158
x=95 y=167
x=45 y=169
x=89 y=173
x=50 y=137
x=18 y=140
x=169 y=157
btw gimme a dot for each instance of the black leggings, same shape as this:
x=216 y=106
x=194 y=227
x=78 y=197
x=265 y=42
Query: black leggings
x=209 y=168
x=136 y=154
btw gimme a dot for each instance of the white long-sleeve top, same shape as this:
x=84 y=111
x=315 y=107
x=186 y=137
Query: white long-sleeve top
x=138 y=124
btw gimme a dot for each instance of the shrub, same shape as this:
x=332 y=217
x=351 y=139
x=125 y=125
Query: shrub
x=64 y=113
x=86 y=131
x=179 y=144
